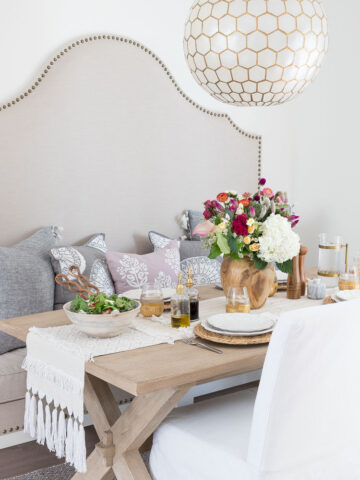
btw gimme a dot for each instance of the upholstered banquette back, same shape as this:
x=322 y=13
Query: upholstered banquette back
x=105 y=140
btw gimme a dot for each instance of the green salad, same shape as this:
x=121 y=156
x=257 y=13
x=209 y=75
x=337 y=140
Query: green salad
x=102 y=304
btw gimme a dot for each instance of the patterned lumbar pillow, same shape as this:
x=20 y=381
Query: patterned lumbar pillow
x=188 y=248
x=133 y=271
x=206 y=271
x=90 y=258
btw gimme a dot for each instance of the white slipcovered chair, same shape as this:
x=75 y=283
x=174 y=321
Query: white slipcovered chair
x=303 y=423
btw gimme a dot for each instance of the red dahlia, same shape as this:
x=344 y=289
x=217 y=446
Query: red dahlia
x=239 y=225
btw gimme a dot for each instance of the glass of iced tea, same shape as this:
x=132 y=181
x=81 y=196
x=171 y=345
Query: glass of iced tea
x=152 y=300
x=237 y=300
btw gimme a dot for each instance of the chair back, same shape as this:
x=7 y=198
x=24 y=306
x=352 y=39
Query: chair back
x=306 y=423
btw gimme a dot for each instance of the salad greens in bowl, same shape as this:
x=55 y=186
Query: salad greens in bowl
x=101 y=315
x=100 y=304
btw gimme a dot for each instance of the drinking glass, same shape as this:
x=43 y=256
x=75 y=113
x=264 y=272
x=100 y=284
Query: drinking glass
x=349 y=280
x=237 y=300
x=152 y=300
x=357 y=262
x=332 y=251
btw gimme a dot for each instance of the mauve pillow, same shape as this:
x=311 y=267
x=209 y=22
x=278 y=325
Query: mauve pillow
x=130 y=270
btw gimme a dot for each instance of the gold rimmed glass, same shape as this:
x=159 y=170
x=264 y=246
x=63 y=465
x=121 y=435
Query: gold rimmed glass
x=152 y=300
x=237 y=300
x=349 y=280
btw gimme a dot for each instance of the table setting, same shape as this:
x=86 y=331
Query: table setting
x=262 y=276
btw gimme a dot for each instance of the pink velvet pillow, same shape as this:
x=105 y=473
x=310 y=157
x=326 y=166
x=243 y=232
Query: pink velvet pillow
x=129 y=270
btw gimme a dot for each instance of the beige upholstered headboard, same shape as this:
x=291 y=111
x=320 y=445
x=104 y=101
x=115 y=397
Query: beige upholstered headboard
x=105 y=140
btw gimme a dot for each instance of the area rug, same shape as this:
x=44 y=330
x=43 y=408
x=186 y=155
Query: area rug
x=58 y=472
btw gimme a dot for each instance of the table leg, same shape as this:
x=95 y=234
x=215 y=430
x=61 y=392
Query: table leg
x=138 y=422
x=104 y=411
x=101 y=404
x=118 y=452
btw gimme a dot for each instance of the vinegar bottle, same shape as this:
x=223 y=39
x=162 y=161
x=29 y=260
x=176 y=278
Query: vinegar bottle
x=193 y=296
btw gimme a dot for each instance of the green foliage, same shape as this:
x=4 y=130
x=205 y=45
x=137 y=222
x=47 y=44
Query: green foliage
x=223 y=243
x=230 y=213
x=257 y=207
x=232 y=242
x=258 y=263
x=285 y=267
x=214 y=251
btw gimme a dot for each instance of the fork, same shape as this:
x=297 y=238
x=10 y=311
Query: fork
x=188 y=341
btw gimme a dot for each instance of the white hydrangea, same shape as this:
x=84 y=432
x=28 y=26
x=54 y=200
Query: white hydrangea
x=278 y=242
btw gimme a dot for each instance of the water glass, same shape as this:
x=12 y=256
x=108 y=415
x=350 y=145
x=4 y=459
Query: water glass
x=152 y=300
x=349 y=280
x=237 y=300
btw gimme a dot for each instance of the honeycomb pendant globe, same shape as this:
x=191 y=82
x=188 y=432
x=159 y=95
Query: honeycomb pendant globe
x=255 y=52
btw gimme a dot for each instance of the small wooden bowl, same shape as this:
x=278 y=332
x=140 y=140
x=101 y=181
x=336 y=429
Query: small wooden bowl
x=101 y=326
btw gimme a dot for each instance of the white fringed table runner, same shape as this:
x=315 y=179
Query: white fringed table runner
x=55 y=365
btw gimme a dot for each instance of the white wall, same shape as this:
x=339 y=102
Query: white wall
x=310 y=144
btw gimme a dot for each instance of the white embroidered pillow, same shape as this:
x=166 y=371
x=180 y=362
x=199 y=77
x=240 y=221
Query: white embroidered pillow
x=133 y=271
x=90 y=258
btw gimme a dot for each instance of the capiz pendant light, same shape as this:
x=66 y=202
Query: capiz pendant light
x=255 y=52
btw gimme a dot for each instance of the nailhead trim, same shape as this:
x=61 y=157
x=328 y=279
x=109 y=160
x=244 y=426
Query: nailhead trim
x=157 y=59
x=12 y=429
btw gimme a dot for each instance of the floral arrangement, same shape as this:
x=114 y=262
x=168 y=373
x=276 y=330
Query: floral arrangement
x=257 y=226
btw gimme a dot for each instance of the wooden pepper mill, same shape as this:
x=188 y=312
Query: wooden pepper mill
x=294 y=282
x=303 y=252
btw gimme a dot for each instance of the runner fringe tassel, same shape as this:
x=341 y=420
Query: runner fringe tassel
x=66 y=439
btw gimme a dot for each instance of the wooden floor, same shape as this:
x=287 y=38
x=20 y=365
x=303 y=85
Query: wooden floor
x=30 y=456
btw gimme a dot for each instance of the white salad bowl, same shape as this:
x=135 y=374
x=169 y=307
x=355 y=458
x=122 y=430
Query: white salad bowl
x=101 y=326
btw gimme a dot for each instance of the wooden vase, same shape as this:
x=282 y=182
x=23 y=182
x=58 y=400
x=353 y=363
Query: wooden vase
x=242 y=273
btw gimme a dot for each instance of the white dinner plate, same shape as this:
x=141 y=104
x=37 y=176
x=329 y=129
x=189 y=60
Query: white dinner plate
x=136 y=293
x=348 y=295
x=241 y=322
x=209 y=328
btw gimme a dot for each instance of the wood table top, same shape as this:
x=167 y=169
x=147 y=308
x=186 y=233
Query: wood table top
x=146 y=370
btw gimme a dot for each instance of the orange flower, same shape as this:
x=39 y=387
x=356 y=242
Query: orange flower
x=247 y=240
x=254 y=247
x=245 y=202
x=251 y=229
x=222 y=197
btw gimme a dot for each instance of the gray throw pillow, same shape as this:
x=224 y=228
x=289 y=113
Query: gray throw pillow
x=90 y=258
x=26 y=280
x=194 y=217
x=9 y=343
x=188 y=248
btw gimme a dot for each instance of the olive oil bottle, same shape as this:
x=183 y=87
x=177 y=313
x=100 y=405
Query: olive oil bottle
x=180 y=307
